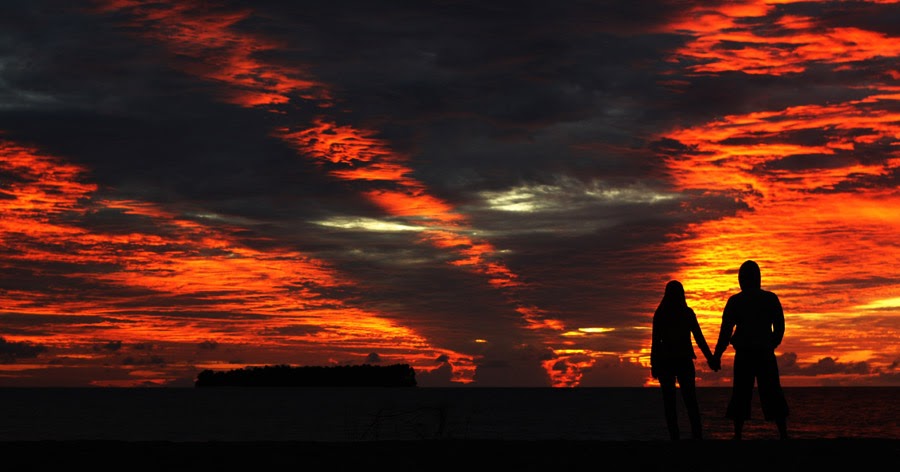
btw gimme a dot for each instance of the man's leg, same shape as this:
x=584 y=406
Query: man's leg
x=771 y=395
x=782 y=428
x=741 y=392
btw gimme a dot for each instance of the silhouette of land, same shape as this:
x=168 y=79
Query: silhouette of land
x=365 y=375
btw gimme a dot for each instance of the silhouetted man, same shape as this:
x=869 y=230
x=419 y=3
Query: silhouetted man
x=757 y=320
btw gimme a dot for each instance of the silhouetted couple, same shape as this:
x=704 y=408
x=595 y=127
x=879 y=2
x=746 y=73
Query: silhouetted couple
x=752 y=322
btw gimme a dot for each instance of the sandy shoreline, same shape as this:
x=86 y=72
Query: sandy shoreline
x=427 y=455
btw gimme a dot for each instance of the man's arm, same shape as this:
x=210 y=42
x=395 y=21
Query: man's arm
x=777 y=323
x=725 y=331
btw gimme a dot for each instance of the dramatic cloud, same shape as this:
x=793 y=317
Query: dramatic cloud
x=494 y=193
x=10 y=351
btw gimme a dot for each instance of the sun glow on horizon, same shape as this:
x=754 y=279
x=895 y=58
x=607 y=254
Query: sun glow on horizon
x=803 y=197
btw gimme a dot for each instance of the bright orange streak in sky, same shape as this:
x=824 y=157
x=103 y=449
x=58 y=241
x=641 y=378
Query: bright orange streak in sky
x=814 y=218
x=818 y=255
x=816 y=243
x=359 y=156
x=250 y=82
x=222 y=54
x=352 y=147
x=371 y=159
x=797 y=43
x=717 y=163
x=276 y=291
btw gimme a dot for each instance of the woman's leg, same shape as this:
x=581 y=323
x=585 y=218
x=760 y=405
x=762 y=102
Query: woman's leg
x=667 y=386
x=688 y=383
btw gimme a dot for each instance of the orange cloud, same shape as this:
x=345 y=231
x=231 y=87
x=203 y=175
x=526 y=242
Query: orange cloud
x=192 y=33
x=223 y=54
x=185 y=283
x=744 y=37
x=811 y=238
x=820 y=212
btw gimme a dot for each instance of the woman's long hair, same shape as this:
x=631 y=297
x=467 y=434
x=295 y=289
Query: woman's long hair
x=673 y=299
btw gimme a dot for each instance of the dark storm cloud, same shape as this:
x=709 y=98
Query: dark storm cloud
x=188 y=165
x=22 y=275
x=142 y=128
x=446 y=303
x=439 y=377
x=11 y=351
x=556 y=107
x=483 y=92
x=482 y=96
x=872 y=281
x=824 y=366
x=590 y=263
x=51 y=281
x=887 y=180
x=142 y=361
x=147 y=132
x=703 y=98
x=497 y=95
x=494 y=98
x=812 y=162
x=111 y=346
x=85 y=376
x=116 y=221
x=517 y=365
x=29 y=320
x=151 y=309
x=373 y=358
x=883 y=18
x=292 y=330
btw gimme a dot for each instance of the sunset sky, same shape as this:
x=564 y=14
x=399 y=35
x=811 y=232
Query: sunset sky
x=495 y=193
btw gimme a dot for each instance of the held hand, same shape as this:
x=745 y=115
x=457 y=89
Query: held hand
x=714 y=363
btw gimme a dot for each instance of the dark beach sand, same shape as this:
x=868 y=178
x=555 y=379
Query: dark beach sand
x=847 y=454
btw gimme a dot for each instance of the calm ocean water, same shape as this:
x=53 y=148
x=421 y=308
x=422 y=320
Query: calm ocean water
x=354 y=414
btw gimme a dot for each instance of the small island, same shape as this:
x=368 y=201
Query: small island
x=365 y=375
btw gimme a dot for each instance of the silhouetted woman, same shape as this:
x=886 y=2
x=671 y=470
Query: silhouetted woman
x=672 y=356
